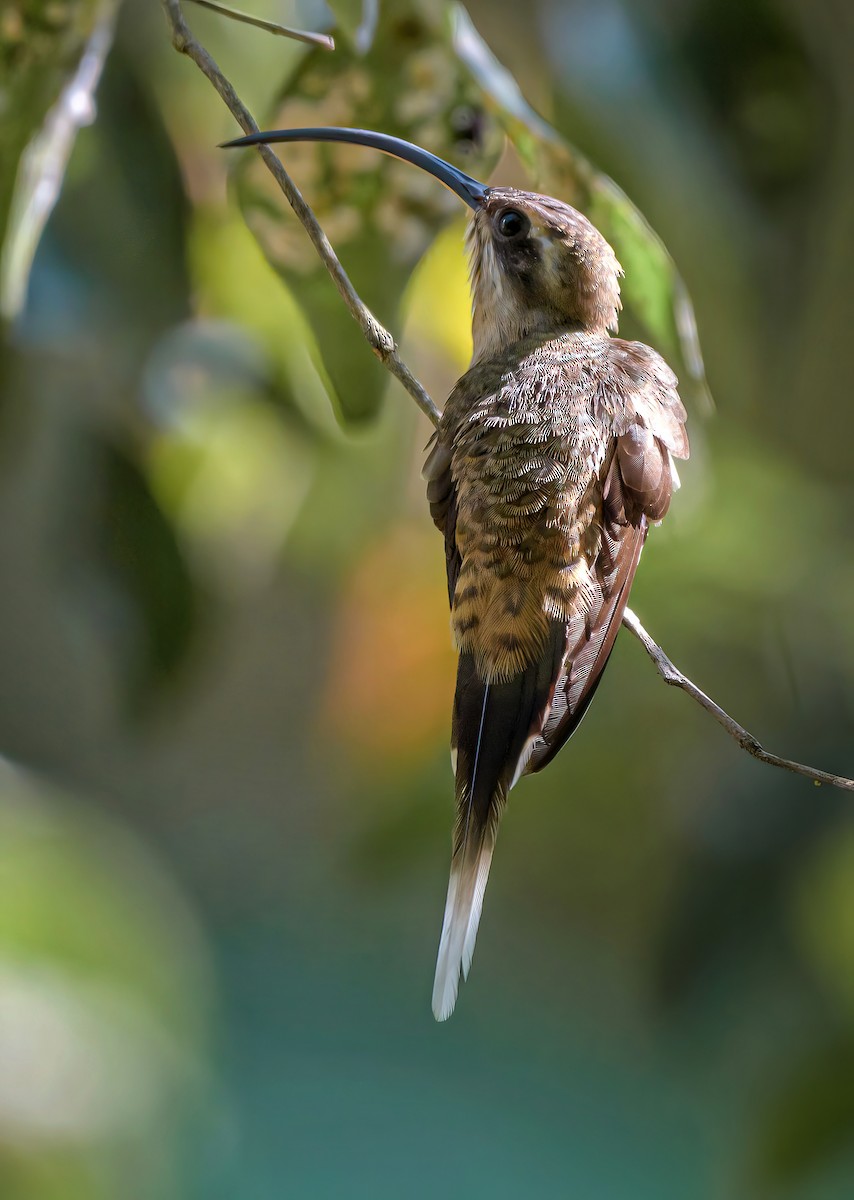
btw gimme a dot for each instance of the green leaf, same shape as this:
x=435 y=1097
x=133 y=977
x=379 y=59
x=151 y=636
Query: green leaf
x=379 y=214
x=430 y=78
x=142 y=547
x=151 y=603
x=653 y=293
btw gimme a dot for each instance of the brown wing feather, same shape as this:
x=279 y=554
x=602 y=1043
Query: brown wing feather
x=637 y=489
x=442 y=497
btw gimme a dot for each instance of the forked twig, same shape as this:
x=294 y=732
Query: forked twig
x=383 y=345
x=377 y=336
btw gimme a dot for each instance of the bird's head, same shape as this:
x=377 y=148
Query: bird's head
x=537 y=265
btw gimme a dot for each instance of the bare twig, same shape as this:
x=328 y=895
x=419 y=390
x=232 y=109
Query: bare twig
x=298 y=35
x=673 y=676
x=383 y=345
x=376 y=335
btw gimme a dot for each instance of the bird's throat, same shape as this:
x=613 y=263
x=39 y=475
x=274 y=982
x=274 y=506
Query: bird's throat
x=501 y=315
x=497 y=326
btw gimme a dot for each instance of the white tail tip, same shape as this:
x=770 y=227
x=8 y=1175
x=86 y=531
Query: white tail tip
x=459 y=929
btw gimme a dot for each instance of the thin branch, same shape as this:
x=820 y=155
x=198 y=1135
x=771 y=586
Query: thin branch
x=673 y=676
x=377 y=336
x=298 y=35
x=383 y=345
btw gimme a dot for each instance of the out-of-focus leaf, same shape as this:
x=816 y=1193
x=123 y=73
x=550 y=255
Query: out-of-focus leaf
x=391 y=666
x=451 y=95
x=149 y=562
x=234 y=479
x=105 y=1004
x=823 y=909
x=136 y=248
x=79 y=892
x=439 y=299
x=232 y=278
x=653 y=292
x=380 y=214
x=147 y=598
x=809 y=1120
x=357 y=21
x=52 y=55
x=226 y=467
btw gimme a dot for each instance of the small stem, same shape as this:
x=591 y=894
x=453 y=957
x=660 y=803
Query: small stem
x=673 y=676
x=376 y=335
x=298 y=35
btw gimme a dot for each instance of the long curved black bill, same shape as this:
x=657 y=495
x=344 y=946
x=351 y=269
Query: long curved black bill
x=468 y=189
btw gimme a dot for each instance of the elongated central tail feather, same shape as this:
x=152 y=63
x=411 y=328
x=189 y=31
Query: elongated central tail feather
x=469 y=873
x=494 y=729
x=479 y=801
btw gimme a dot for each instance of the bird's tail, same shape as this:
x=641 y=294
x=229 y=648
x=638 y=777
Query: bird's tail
x=494 y=730
x=469 y=873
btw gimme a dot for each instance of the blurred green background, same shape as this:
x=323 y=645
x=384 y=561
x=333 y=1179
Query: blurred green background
x=225 y=670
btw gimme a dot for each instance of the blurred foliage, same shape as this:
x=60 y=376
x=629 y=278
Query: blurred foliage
x=103 y=1008
x=428 y=77
x=652 y=292
x=138 y=547
x=51 y=55
x=40 y=44
x=224 y=631
x=380 y=214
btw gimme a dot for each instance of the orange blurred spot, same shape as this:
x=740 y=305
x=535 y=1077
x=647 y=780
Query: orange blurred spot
x=391 y=677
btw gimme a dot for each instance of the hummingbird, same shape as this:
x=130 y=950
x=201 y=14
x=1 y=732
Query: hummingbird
x=553 y=457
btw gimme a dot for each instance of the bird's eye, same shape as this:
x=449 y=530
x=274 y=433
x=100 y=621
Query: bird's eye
x=513 y=224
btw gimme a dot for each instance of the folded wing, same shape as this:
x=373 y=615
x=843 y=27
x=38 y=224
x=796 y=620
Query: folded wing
x=638 y=480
